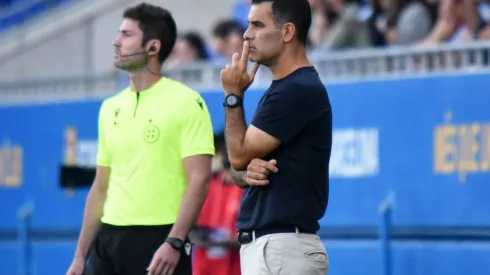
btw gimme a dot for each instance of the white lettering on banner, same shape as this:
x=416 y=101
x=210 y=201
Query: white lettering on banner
x=355 y=153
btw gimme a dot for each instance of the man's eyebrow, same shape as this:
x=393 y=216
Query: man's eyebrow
x=255 y=22
x=126 y=32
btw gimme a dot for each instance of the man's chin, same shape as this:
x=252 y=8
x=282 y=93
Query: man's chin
x=120 y=66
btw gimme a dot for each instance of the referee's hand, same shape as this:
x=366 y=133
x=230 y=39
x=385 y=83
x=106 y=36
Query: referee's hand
x=164 y=261
x=77 y=267
x=258 y=172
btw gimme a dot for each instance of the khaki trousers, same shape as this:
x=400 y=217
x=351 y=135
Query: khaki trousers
x=284 y=254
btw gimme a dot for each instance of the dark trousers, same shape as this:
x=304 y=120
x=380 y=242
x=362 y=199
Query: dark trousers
x=128 y=250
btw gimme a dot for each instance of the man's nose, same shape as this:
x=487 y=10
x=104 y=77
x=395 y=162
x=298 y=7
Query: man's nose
x=247 y=35
x=116 y=42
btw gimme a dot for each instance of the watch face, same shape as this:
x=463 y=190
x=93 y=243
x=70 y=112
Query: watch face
x=231 y=100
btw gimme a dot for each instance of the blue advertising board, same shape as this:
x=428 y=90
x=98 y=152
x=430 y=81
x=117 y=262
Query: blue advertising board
x=426 y=141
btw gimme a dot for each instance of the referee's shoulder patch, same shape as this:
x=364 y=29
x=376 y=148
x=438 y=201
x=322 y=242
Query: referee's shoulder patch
x=200 y=103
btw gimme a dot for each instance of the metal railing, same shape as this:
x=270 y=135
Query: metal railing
x=365 y=64
x=332 y=66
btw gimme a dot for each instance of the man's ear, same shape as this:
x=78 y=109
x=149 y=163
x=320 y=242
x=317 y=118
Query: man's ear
x=288 y=32
x=153 y=47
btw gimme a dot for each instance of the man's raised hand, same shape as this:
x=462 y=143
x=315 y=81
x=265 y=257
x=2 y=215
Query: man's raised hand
x=234 y=77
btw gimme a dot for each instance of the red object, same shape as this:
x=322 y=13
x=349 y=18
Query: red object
x=219 y=212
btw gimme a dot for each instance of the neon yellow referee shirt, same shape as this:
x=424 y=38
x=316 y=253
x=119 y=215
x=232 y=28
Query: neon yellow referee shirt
x=143 y=138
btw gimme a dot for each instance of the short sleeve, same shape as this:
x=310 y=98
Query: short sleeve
x=103 y=156
x=196 y=137
x=284 y=113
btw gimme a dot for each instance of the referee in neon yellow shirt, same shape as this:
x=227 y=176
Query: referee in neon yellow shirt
x=154 y=161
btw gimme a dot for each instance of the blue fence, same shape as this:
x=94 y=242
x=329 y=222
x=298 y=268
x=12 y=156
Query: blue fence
x=424 y=142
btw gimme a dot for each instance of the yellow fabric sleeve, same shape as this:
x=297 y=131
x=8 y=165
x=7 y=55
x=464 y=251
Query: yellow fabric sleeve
x=196 y=137
x=103 y=155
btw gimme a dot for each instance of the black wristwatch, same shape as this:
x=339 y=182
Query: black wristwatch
x=175 y=243
x=232 y=101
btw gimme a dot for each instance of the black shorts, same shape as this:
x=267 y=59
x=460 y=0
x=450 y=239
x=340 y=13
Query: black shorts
x=128 y=250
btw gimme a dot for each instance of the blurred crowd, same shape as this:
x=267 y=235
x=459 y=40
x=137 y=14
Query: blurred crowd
x=216 y=248
x=353 y=24
x=227 y=38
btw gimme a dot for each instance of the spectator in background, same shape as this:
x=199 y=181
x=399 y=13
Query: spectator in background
x=399 y=22
x=215 y=238
x=319 y=22
x=377 y=24
x=458 y=21
x=189 y=47
x=344 y=29
x=227 y=38
x=412 y=22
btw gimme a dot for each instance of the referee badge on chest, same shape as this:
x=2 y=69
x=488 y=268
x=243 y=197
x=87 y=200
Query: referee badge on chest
x=151 y=132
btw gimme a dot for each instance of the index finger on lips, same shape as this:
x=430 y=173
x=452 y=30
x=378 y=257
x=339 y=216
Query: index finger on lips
x=235 y=60
x=245 y=54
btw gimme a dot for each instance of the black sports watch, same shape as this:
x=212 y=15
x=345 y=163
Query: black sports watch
x=175 y=243
x=232 y=101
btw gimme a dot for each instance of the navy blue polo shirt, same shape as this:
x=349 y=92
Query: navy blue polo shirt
x=295 y=110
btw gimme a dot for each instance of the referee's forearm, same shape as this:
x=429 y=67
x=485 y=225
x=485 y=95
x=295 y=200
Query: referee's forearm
x=91 y=221
x=192 y=202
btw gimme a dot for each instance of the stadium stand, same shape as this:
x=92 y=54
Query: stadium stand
x=16 y=12
x=410 y=168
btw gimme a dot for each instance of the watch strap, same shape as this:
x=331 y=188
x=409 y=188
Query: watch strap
x=175 y=243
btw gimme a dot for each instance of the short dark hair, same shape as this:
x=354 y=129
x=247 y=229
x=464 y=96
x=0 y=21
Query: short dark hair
x=155 y=23
x=297 y=12
x=197 y=42
x=226 y=27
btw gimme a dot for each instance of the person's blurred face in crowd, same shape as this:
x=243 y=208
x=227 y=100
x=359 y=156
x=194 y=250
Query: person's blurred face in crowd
x=219 y=45
x=234 y=44
x=264 y=36
x=189 y=47
x=130 y=54
x=228 y=45
x=227 y=37
x=184 y=51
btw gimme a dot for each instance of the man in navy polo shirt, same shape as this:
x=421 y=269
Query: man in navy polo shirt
x=287 y=147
